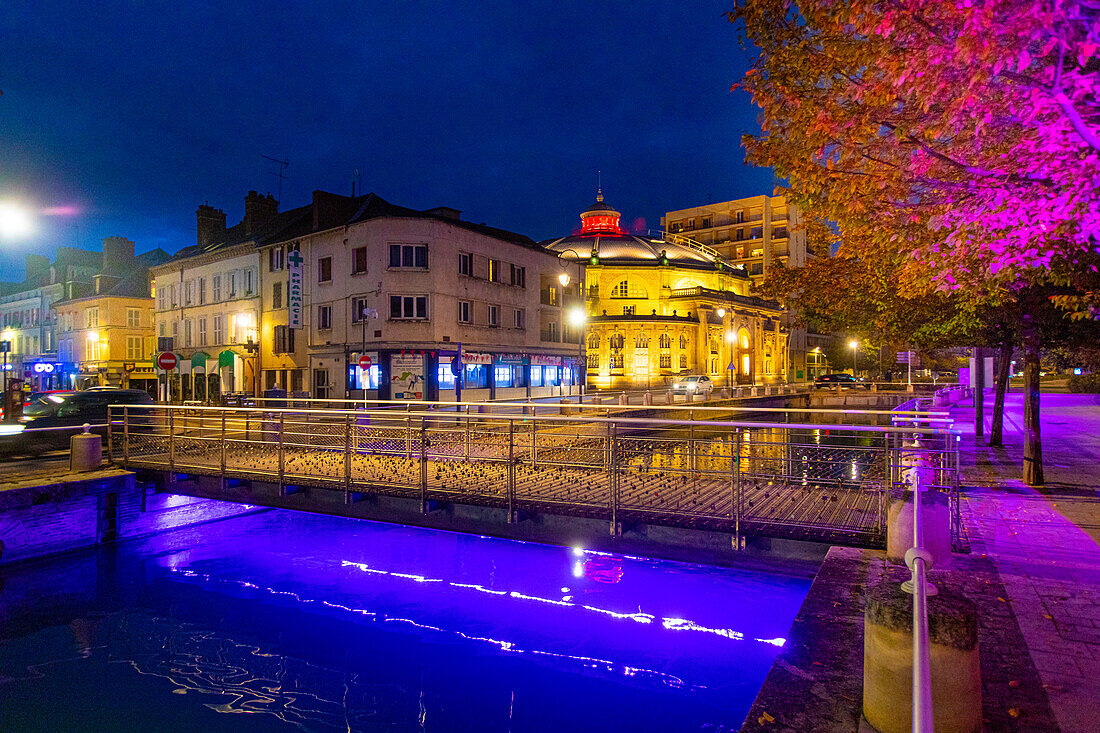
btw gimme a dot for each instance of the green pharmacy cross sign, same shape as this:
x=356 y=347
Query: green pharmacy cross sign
x=294 y=289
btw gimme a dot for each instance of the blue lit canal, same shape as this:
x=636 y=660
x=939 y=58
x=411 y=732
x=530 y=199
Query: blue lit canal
x=282 y=620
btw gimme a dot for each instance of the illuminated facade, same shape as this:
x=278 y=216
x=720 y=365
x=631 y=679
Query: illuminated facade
x=105 y=328
x=661 y=308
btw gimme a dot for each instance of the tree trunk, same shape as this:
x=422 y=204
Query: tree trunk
x=1033 y=448
x=1004 y=363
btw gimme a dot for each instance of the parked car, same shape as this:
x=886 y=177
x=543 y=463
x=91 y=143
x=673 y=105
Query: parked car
x=696 y=385
x=843 y=380
x=66 y=412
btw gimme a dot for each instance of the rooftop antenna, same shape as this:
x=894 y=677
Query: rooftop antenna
x=356 y=183
x=281 y=174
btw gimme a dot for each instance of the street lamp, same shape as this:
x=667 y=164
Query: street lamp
x=577 y=316
x=15 y=221
x=731 y=339
x=854 y=346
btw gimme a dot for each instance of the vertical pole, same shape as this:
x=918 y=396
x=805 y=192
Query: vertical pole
x=467 y=432
x=347 y=459
x=408 y=432
x=282 y=453
x=534 y=439
x=512 y=470
x=423 y=468
x=612 y=480
x=737 y=491
x=977 y=381
x=125 y=437
x=691 y=444
x=223 y=451
x=172 y=445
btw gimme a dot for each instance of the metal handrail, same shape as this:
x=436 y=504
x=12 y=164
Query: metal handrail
x=556 y=406
x=919 y=560
x=638 y=421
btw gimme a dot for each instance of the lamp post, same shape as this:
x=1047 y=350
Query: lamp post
x=253 y=349
x=854 y=346
x=577 y=317
x=732 y=340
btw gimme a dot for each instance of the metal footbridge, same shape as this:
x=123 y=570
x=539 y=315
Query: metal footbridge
x=681 y=467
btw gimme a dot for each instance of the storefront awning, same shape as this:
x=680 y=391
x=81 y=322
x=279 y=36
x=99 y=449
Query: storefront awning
x=199 y=359
x=225 y=359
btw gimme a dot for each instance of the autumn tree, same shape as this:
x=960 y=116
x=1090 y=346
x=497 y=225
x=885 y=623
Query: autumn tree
x=963 y=137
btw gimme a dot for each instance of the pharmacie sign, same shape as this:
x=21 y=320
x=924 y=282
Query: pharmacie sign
x=294 y=289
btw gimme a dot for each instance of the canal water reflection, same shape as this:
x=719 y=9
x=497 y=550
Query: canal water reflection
x=286 y=620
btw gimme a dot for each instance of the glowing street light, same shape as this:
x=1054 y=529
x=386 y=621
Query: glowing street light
x=563 y=278
x=15 y=221
x=854 y=346
x=721 y=312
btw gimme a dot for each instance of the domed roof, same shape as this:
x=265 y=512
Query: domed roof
x=601 y=236
x=628 y=247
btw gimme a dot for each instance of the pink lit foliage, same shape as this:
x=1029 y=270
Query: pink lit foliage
x=965 y=133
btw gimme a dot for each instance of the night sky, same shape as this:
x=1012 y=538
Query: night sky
x=136 y=112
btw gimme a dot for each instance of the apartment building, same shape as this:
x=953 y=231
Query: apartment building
x=105 y=328
x=419 y=292
x=208 y=303
x=28 y=322
x=294 y=300
x=755 y=232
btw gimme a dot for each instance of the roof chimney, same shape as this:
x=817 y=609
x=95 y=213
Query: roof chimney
x=259 y=211
x=211 y=225
x=118 y=255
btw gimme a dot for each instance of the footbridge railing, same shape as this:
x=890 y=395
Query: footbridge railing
x=814 y=481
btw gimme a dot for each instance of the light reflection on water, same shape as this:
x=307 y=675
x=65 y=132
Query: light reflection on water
x=321 y=623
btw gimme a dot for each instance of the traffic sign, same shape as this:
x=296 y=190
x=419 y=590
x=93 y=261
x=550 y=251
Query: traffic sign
x=456 y=366
x=908 y=357
x=364 y=362
x=167 y=361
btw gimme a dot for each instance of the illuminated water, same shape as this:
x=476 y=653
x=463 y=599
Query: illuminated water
x=283 y=621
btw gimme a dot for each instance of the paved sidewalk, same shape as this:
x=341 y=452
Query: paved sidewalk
x=1043 y=542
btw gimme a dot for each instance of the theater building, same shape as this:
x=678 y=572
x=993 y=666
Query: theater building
x=658 y=308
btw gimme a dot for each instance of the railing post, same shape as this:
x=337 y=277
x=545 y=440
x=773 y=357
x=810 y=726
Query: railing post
x=223 y=450
x=736 y=468
x=125 y=438
x=467 y=432
x=613 y=480
x=534 y=441
x=408 y=433
x=691 y=444
x=171 y=445
x=512 y=470
x=282 y=453
x=347 y=459
x=423 y=466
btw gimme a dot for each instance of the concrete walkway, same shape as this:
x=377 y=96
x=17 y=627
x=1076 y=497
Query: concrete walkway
x=1042 y=542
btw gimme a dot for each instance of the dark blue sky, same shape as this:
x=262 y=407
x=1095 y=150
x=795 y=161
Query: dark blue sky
x=136 y=112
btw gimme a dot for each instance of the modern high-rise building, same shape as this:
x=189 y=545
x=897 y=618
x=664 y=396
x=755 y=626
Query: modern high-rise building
x=755 y=232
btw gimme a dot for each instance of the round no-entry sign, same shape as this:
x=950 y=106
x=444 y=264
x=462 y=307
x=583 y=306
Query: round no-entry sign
x=364 y=362
x=167 y=361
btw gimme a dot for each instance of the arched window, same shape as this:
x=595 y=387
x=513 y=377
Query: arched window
x=617 y=341
x=666 y=341
x=641 y=341
x=594 y=341
x=627 y=289
x=743 y=337
x=683 y=341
